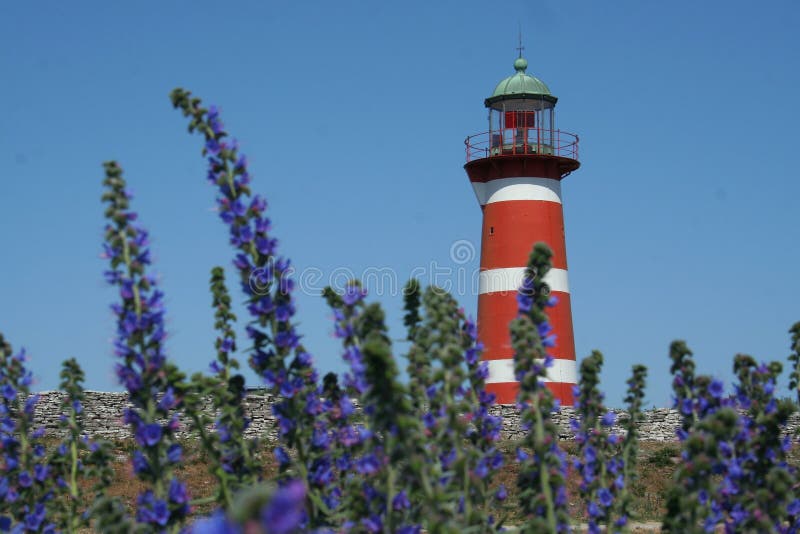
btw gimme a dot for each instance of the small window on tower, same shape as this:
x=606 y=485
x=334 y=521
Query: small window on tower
x=491 y=230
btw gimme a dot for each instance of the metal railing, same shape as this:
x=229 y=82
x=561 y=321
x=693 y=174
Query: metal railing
x=522 y=141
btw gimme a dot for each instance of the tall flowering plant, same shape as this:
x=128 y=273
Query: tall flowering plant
x=358 y=454
x=758 y=478
x=794 y=359
x=276 y=353
x=693 y=501
x=543 y=495
x=154 y=385
x=384 y=470
x=483 y=432
x=419 y=363
x=77 y=459
x=24 y=471
x=738 y=440
x=630 y=443
x=397 y=456
x=447 y=356
x=601 y=469
x=236 y=452
x=230 y=455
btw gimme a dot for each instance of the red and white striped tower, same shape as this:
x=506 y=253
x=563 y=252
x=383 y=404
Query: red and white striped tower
x=516 y=170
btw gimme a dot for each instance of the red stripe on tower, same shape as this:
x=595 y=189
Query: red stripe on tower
x=516 y=170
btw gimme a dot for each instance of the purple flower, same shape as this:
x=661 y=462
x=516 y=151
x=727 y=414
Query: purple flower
x=168 y=401
x=353 y=294
x=501 y=493
x=368 y=464
x=40 y=471
x=148 y=434
x=25 y=479
x=9 y=393
x=593 y=510
x=605 y=497
x=215 y=524
x=524 y=302
x=152 y=510
x=177 y=492
x=372 y=524
x=174 y=453
x=320 y=438
x=33 y=520
x=400 y=501
x=609 y=419
x=716 y=389
x=286 y=510
x=346 y=407
x=266 y=246
x=286 y=339
x=482 y=469
x=7 y=425
x=140 y=464
x=281 y=456
x=212 y=147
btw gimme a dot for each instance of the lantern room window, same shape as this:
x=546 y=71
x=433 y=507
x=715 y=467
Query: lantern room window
x=521 y=126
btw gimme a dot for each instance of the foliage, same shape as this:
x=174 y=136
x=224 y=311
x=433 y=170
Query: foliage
x=630 y=443
x=25 y=474
x=230 y=455
x=543 y=495
x=600 y=468
x=734 y=470
x=155 y=386
x=370 y=453
x=77 y=460
x=794 y=358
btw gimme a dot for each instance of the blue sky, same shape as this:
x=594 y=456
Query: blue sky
x=681 y=223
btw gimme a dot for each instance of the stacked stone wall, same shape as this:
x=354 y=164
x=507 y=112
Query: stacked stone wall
x=103 y=417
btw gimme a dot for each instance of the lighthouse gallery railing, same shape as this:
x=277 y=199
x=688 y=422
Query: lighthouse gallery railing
x=522 y=141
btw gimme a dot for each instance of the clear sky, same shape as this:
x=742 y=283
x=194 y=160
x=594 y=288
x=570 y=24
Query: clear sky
x=681 y=223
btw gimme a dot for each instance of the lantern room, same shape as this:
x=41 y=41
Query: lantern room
x=521 y=114
x=522 y=122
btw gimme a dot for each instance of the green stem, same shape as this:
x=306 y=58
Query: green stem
x=546 y=490
x=126 y=256
x=388 y=527
x=208 y=445
x=205 y=500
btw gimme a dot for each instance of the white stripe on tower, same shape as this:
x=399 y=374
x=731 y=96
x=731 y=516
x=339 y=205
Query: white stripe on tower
x=521 y=188
x=509 y=279
x=502 y=371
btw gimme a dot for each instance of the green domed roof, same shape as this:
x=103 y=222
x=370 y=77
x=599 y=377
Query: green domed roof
x=520 y=84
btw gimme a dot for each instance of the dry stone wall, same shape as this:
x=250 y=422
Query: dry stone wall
x=103 y=417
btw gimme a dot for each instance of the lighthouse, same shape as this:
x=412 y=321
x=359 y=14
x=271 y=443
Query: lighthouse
x=516 y=170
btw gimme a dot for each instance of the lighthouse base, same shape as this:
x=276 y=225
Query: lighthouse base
x=506 y=393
